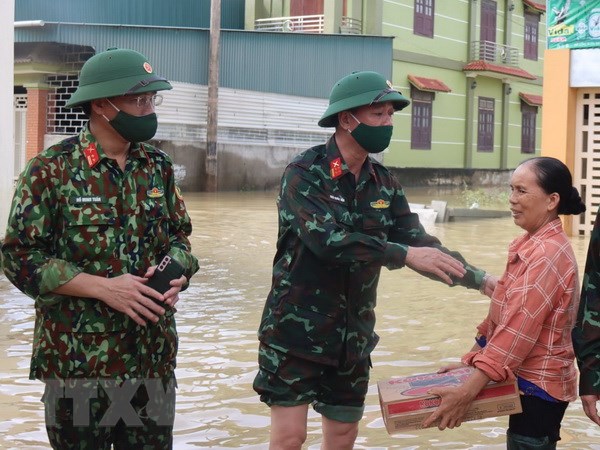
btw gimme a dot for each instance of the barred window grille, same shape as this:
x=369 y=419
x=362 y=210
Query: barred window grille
x=63 y=120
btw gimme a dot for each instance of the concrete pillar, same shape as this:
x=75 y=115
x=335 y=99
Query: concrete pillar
x=211 y=163
x=506 y=95
x=469 y=119
x=249 y=14
x=332 y=11
x=372 y=17
x=7 y=114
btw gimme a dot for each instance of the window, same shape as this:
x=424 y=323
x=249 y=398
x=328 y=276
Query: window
x=531 y=35
x=422 y=102
x=528 y=125
x=485 y=125
x=423 y=19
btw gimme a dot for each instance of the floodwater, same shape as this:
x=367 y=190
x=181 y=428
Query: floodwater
x=422 y=324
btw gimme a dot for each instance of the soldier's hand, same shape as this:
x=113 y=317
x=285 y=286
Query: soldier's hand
x=590 y=408
x=128 y=294
x=434 y=261
x=172 y=295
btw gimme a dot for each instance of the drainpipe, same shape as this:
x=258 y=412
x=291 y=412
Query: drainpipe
x=7 y=113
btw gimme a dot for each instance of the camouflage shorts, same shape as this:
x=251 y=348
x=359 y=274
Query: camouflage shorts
x=97 y=414
x=337 y=393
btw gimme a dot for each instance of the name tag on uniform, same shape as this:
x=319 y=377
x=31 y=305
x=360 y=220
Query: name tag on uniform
x=86 y=199
x=337 y=198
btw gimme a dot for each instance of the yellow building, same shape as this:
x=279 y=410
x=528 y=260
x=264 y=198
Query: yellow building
x=571 y=91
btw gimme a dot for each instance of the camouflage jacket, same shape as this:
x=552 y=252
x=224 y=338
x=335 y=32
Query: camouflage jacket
x=74 y=211
x=586 y=334
x=335 y=234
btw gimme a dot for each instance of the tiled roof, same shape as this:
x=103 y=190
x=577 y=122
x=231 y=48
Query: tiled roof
x=531 y=99
x=428 y=84
x=541 y=7
x=481 y=66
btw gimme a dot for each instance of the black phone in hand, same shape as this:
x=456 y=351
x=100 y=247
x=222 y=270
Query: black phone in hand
x=168 y=269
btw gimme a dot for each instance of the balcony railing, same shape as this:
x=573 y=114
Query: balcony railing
x=495 y=53
x=306 y=24
x=351 y=25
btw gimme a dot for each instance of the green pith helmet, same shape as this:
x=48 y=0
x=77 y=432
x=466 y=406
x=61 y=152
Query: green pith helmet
x=117 y=71
x=358 y=89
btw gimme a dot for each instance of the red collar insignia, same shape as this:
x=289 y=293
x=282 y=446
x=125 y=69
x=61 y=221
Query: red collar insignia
x=91 y=154
x=335 y=168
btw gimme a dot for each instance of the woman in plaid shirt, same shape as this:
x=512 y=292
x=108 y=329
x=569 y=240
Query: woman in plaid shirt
x=527 y=332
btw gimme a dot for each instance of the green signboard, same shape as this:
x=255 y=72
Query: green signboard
x=573 y=23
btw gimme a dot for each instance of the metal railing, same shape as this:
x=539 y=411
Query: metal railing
x=306 y=24
x=495 y=53
x=351 y=26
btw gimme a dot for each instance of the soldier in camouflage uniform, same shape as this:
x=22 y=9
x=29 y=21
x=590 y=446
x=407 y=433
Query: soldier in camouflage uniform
x=586 y=334
x=342 y=216
x=90 y=219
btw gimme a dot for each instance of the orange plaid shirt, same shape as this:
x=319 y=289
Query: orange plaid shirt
x=532 y=313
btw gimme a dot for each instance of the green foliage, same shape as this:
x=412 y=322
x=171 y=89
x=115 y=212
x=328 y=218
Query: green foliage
x=485 y=198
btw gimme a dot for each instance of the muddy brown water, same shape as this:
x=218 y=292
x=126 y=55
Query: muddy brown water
x=422 y=324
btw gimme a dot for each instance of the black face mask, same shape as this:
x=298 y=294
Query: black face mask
x=372 y=139
x=134 y=128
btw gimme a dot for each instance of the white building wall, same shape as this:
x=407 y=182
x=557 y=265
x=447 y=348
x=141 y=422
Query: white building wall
x=245 y=117
x=7 y=152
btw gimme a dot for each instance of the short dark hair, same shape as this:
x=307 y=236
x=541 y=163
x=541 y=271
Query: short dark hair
x=86 y=108
x=554 y=176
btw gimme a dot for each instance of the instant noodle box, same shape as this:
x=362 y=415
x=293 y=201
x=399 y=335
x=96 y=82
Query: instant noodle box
x=405 y=402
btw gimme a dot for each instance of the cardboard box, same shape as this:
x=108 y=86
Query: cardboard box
x=405 y=402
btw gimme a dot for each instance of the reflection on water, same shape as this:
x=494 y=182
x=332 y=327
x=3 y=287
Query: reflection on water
x=422 y=325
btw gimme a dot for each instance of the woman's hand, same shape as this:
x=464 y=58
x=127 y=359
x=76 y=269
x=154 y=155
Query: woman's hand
x=450 y=367
x=456 y=401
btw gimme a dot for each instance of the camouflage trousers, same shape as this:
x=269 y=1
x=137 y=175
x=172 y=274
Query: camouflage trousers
x=97 y=414
x=337 y=393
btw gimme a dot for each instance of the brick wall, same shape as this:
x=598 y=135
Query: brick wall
x=37 y=101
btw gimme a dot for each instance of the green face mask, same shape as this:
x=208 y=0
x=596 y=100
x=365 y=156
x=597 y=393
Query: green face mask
x=372 y=139
x=134 y=128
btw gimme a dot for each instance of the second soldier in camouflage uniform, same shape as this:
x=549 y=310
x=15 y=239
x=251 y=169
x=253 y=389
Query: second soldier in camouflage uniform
x=91 y=217
x=342 y=216
x=586 y=334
